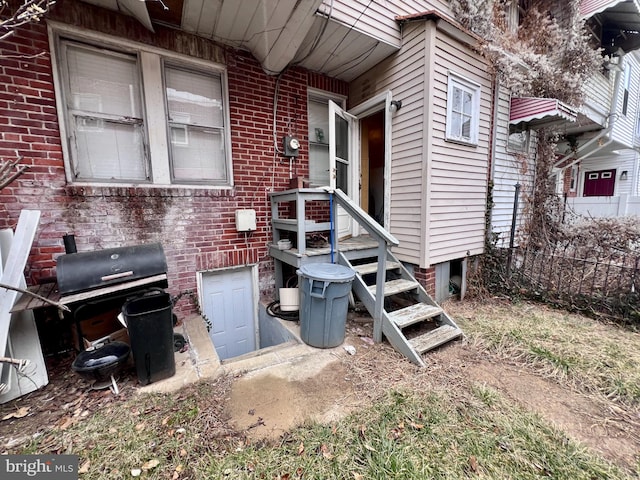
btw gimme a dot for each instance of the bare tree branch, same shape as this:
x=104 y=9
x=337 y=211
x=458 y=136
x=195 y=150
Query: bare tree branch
x=29 y=11
x=6 y=174
x=35 y=295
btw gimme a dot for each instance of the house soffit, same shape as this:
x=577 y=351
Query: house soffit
x=279 y=33
x=620 y=20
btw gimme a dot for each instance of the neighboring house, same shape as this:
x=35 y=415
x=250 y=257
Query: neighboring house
x=168 y=126
x=597 y=154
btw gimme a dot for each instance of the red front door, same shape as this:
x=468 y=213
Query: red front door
x=599 y=184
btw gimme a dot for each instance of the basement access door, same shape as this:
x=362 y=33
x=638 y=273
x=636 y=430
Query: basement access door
x=230 y=306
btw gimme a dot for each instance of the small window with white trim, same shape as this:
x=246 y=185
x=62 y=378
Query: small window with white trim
x=463 y=110
x=518 y=142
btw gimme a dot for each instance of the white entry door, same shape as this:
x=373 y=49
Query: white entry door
x=228 y=303
x=342 y=164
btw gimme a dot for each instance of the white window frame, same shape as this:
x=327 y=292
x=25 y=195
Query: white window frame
x=157 y=137
x=323 y=97
x=456 y=81
x=519 y=144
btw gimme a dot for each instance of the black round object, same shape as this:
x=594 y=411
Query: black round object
x=178 y=342
x=101 y=362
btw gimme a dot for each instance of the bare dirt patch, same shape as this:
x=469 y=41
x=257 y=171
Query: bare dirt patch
x=607 y=429
x=268 y=405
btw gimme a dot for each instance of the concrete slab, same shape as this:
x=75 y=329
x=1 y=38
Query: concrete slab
x=198 y=362
x=292 y=361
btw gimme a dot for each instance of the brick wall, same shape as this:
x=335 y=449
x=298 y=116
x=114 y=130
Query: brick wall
x=427 y=278
x=196 y=227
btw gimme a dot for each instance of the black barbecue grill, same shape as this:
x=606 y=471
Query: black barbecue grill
x=92 y=283
x=88 y=275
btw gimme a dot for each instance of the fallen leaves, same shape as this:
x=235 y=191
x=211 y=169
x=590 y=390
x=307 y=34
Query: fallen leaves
x=84 y=468
x=176 y=473
x=326 y=453
x=64 y=423
x=19 y=413
x=150 y=465
x=473 y=463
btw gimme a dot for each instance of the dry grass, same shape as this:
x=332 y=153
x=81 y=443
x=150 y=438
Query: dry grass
x=584 y=354
x=413 y=424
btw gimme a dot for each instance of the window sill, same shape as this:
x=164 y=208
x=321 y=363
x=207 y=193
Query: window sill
x=461 y=142
x=119 y=190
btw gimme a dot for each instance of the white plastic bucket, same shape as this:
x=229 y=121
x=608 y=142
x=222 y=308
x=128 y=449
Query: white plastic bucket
x=289 y=300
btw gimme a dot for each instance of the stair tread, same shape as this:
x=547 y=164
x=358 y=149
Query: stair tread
x=413 y=314
x=435 y=338
x=373 y=267
x=395 y=286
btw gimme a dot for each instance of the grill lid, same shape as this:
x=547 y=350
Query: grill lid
x=84 y=271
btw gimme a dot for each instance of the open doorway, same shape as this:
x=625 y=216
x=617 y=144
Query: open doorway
x=372 y=166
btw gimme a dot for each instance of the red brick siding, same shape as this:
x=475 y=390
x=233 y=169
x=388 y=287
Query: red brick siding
x=427 y=278
x=196 y=227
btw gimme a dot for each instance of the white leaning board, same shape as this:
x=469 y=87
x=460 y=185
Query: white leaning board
x=18 y=332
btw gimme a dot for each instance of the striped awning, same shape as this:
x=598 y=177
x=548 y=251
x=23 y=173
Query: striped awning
x=539 y=112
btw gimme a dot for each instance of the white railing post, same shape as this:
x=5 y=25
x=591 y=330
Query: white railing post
x=623 y=203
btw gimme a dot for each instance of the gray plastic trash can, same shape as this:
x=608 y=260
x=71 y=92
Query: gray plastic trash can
x=324 y=302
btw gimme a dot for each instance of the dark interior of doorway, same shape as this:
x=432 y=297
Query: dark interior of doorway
x=372 y=166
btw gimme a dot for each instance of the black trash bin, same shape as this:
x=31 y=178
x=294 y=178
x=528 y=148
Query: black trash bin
x=150 y=323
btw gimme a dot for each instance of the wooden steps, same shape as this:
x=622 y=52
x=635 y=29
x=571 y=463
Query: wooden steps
x=405 y=304
x=402 y=310
x=435 y=338
x=394 y=287
x=368 y=268
x=413 y=314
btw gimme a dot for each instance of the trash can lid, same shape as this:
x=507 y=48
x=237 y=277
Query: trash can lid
x=328 y=272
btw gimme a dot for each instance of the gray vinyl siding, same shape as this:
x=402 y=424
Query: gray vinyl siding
x=378 y=18
x=509 y=169
x=598 y=91
x=375 y=18
x=458 y=186
x=624 y=126
x=406 y=81
x=437 y=188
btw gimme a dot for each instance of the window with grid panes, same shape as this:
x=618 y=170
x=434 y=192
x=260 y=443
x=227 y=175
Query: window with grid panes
x=108 y=111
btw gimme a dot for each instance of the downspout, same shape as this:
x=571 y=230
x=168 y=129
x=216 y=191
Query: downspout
x=611 y=118
x=496 y=99
x=492 y=156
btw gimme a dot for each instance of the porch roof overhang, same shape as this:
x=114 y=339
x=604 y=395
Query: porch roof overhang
x=279 y=33
x=540 y=112
x=444 y=23
x=589 y=8
x=620 y=20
